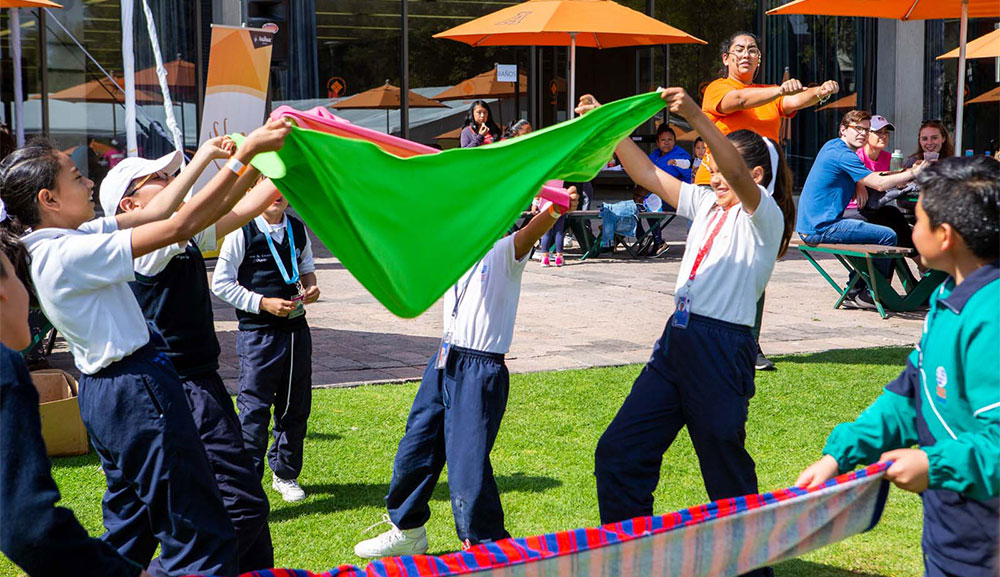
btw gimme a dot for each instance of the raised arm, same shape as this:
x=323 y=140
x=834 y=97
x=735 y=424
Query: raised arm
x=249 y=207
x=725 y=155
x=166 y=202
x=810 y=96
x=637 y=164
x=203 y=209
x=529 y=234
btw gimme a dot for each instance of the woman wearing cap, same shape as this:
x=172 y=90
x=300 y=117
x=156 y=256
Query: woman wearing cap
x=876 y=158
x=734 y=102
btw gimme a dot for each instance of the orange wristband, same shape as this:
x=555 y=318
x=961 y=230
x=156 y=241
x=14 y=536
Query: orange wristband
x=236 y=166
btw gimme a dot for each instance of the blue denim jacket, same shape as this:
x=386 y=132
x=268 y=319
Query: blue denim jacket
x=617 y=218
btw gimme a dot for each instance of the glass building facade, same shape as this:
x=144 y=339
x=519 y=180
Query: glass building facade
x=330 y=48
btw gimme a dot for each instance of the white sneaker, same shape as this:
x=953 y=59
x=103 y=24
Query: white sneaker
x=393 y=542
x=289 y=488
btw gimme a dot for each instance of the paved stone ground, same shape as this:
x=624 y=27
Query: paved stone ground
x=607 y=311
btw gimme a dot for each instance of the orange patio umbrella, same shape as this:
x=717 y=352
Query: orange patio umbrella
x=385 y=97
x=991 y=96
x=986 y=46
x=180 y=77
x=28 y=4
x=104 y=90
x=483 y=85
x=907 y=10
x=590 y=23
x=849 y=102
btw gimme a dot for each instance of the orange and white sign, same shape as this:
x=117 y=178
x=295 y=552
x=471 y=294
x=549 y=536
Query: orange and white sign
x=239 y=66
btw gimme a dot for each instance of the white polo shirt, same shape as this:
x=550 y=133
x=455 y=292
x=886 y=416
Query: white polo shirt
x=736 y=269
x=153 y=263
x=486 y=313
x=81 y=279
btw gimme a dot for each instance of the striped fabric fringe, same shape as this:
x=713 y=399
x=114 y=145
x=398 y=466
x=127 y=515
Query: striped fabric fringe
x=722 y=538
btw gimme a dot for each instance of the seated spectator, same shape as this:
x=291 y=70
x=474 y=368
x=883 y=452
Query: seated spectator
x=933 y=141
x=866 y=205
x=699 y=155
x=670 y=158
x=831 y=185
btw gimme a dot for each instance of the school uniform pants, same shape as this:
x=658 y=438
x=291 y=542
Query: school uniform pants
x=455 y=419
x=160 y=487
x=238 y=481
x=701 y=376
x=275 y=370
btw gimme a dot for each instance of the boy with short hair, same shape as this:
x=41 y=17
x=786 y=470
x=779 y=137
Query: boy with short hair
x=266 y=270
x=462 y=397
x=947 y=399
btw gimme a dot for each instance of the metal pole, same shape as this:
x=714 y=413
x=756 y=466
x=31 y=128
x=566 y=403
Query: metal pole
x=43 y=69
x=404 y=89
x=533 y=87
x=517 y=86
x=960 y=96
x=199 y=67
x=571 y=90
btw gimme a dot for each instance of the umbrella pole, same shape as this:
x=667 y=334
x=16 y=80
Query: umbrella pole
x=571 y=93
x=960 y=98
x=387 y=121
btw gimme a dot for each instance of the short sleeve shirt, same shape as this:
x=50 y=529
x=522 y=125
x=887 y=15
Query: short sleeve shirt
x=765 y=120
x=739 y=264
x=829 y=187
x=153 y=263
x=488 y=308
x=81 y=278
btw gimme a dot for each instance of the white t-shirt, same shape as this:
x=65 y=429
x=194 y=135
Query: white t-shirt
x=736 y=269
x=224 y=279
x=81 y=279
x=153 y=263
x=486 y=313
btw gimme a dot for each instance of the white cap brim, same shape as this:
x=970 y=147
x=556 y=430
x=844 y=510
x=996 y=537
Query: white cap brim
x=121 y=176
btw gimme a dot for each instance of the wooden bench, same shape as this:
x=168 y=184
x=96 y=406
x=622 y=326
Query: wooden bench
x=860 y=259
x=579 y=221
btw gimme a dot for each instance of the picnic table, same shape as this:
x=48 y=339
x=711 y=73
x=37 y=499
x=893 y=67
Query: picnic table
x=579 y=221
x=859 y=258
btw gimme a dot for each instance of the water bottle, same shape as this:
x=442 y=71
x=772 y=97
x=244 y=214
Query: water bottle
x=896 y=163
x=969 y=152
x=988 y=153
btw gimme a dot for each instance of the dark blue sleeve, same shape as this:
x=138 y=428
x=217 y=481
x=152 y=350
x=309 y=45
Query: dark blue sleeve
x=39 y=537
x=907 y=383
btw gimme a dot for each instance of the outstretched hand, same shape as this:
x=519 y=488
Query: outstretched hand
x=909 y=470
x=827 y=88
x=217 y=148
x=680 y=103
x=818 y=473
x=269 y=137
x=790 y=86
x=587 y=103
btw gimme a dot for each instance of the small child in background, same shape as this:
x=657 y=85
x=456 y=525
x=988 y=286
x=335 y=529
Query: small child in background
x=947 y=399
x=265 y=270
x=457 y=411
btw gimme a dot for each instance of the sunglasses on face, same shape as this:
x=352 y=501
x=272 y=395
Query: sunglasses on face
x=142 y=182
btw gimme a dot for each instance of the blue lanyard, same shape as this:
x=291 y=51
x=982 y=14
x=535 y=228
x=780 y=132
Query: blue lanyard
x=277 y=259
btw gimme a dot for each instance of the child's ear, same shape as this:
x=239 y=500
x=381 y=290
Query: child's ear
x=947 y=237
x=757 y=173
x=47 y=199
x=127 y=204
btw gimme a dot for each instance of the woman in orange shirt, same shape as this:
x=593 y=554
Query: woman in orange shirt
x=734 y=102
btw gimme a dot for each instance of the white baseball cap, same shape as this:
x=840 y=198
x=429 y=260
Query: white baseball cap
x=879 y=122
x=119 y=178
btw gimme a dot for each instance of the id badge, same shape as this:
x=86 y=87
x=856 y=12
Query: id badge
x=683 y=313
x=442 y=360
x=299 y=300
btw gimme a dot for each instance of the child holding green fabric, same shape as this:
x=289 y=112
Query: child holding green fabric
x=947 y=399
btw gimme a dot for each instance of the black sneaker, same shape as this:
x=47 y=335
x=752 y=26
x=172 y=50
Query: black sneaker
x=862 y=300
x=763 y=363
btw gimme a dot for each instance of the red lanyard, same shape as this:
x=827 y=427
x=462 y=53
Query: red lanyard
x=708 y=243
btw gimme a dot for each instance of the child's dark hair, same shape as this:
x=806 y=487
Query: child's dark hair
x=754 y=151
x=663 y=128
x=965 y=193
x=490 y=123
x=727 y=44
x=514 y=128
x=23 y=173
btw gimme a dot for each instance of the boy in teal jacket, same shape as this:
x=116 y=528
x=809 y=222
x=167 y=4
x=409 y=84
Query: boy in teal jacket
x=947 y=399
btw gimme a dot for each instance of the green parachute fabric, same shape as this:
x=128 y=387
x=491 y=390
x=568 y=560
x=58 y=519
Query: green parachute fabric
x=408 y=228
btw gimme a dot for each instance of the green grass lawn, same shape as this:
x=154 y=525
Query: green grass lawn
x=544 y=462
